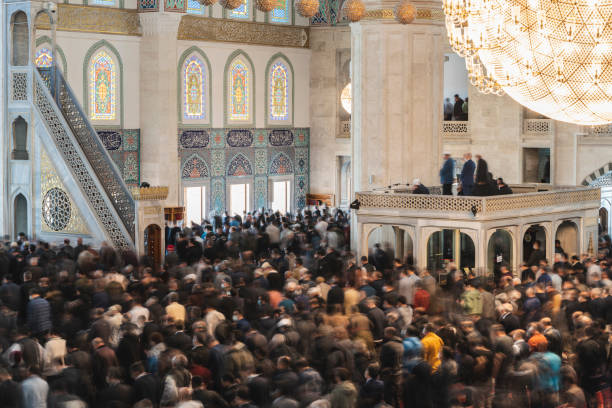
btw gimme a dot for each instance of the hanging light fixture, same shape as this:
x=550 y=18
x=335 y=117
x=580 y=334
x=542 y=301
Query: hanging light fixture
x=207 y=2
x=405 y=12
x=231 y=4
x=307 y=8
x=265 y=5
x=552 y=56
x=354 y=10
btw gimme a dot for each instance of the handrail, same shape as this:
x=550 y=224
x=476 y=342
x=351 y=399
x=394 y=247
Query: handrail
x=76 y=160
x=99 y=159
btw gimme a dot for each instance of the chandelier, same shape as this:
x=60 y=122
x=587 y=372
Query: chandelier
x=552 y=56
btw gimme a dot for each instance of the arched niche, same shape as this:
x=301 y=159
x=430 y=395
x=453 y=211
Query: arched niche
x=382 y=240
x=20 y=215
x=153 y=243
x=20 y=39
x=450 y=245
x=603 y=220
x=20 y=139
x=500 y=251
x=568 y=236
x=533 y=233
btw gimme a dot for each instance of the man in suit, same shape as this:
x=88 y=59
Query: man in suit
x=467 y=175
x=509 y=320
x=447 y=174
x=146 y=385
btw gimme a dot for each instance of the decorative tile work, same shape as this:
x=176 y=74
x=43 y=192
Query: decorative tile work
x=148 y=5
x=281 y=137
x=302 y=137
x=281 y=165
x=235 y=152
x=260 y=138
x=217 y=195
x=217 y=138
x=123 y=146
x=175 y=5
x=195 y=167
x=193 y=139
x=239 y=138
x=239 y=166
x=301 y=188
x=301 y=160
x=261 y=192
x=59 y=213
x=218 y=163
x=261 y=161
x=322 y=16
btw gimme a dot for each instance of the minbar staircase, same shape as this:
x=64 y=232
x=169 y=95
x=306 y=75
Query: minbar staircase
x=86 y=156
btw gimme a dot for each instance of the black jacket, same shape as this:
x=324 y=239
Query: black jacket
x=147 y=387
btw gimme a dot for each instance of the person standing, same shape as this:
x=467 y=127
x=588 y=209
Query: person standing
x=448 y=109
x=447 y=174
x=467 y=175
x=38 y=314
x=458 y=108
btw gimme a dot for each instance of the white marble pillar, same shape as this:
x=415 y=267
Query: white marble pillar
x=158 y=101
x=397 y=97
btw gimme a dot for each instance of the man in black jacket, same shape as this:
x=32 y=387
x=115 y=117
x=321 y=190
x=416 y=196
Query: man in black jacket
x=146 y=385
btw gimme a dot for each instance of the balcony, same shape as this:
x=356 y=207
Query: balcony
x=538 y=127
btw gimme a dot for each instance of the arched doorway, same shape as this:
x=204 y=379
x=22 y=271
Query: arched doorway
x=382 y=246
x=499 y=251
x=603 y=220
x=152 y=243
x=535 y=233
x=568 y=238
x=450 y=245
x=20 y=215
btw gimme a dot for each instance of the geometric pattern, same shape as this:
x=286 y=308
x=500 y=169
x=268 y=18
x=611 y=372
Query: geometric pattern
x=175 y=5
x=217 y=194
x=282 y=12
x=147 y=5
x=239 y=92
x=218 y=162
x=194 y=167
x=59 y=214
x=261 y=161
x=590 y=179
x=194 y=88
x=302 y=137
x=260 y=138
x=193 y=7
x=110 y=139
x=261 y=191
x=217 y=138
x=242 y=12
x=301 y=188
x=301 y=160
x=281 y=137
x=278 y=92
x=281 y=165
x=239 y=166
x=102 y=87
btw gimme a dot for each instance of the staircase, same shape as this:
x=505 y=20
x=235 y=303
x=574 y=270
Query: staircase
x=83 y=151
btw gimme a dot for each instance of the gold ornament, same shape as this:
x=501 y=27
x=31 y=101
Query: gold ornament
x=207 y=2
x=405 y=12
x=355 y=10
x=231 y=4
x=265 y=5
x=307 y=8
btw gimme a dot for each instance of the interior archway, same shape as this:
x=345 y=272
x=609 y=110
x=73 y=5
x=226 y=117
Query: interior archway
x=450 y=245
x=20 y=139
x=499 y=251
x=534 y=233
x=567 y=235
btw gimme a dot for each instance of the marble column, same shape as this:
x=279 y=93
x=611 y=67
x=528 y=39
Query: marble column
x=158 y=101
x=397 y=73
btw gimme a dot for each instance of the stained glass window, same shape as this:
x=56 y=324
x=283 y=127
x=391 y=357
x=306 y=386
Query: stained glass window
x=282 y=12
x=239 y=91
x=193 y=7
x=243 y=12
x=279 y=92
x=194 y=88
x=44 y=58
x=102 y=87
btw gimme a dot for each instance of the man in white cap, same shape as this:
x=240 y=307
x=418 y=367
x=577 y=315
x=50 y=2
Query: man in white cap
x=418 y=187
x=447 y=174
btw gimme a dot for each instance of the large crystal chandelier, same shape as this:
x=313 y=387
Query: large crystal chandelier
x=552 y=56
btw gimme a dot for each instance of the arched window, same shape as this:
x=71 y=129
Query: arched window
x=279 y=92
x=239 y=91
x=43 y=58
x=195 y=89
x=20 y=39
x=20 y=139
x=243 y=12
x=282 y=12
x=102 y=87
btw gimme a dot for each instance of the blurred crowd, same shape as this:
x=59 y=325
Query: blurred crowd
x=270 y=310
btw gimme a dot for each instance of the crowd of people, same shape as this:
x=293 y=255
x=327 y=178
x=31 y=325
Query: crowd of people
x=474 y=179
x=457 y=110
x=275 y=311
